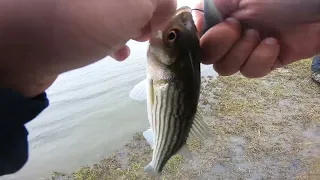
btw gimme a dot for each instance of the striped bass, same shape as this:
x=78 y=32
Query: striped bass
x=172 y=90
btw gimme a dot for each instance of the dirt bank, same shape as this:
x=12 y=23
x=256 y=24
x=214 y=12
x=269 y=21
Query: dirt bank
x=267 y=128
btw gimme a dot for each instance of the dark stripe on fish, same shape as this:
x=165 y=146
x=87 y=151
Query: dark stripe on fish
x=155 y=120
x=176 y=126
x=169 y=118
x=167 y=100
x=180 y=125
x=181 y=121
x=161 y=114
x=165 y=156
x=173 y=126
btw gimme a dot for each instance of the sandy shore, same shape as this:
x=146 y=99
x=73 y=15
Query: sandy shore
x=266 y=128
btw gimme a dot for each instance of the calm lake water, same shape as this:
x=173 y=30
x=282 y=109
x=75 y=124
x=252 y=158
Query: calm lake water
x=90 y=116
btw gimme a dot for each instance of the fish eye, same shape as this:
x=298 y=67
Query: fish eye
x=172 y=36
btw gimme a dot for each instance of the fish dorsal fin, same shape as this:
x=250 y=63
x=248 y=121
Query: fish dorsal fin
x=139 y=91
x=199 y=129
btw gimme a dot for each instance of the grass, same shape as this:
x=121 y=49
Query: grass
x=266 y=128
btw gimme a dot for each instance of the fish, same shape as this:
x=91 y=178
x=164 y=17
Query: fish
x=172 y=90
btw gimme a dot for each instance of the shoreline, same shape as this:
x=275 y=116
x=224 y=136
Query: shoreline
x=266 y=128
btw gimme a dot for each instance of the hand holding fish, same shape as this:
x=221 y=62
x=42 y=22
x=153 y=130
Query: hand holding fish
x=172 y=84
x=261 y=35
x=47 y=38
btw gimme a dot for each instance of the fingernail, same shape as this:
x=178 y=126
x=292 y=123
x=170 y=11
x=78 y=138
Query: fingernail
x=232 y=20
x=128 y=51
x=277 y=64
x=270 y=41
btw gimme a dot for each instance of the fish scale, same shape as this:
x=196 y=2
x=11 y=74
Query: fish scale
x=168 y=119
x=175 y=126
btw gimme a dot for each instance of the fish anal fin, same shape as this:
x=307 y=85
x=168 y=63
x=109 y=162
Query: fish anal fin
x=199 y=129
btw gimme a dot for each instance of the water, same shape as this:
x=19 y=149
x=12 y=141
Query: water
x=89 y=117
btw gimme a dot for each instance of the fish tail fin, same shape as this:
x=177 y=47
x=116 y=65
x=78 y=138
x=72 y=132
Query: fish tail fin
x=148 y=135
x=149 y=169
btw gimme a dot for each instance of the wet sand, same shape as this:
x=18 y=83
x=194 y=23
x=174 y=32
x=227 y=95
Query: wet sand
x=266 y=128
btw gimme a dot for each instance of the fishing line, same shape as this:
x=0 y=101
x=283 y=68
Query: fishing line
x=197 y=10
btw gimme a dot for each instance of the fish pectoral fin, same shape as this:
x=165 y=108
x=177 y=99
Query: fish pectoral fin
x=149 y=169
x=199 y=129
x=139 y=91
x=148 y=135
x=185 y=152
x=207 y=70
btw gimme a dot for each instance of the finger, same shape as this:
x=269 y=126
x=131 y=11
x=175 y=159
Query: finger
x=145 y=34
x=262 y=60
x=277 y=64
x=218 y=40
x=121 y=54
x=238 y=54
x=164 y=11
x=198 y=16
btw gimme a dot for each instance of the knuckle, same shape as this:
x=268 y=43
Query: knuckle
x=232 y=32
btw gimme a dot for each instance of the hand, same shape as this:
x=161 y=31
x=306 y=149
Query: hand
x=42 y=40
x=272 y=34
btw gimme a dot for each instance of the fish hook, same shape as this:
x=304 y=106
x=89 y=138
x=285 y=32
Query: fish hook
x=195 y=9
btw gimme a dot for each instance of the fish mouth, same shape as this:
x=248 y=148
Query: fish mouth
x=183 y=9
